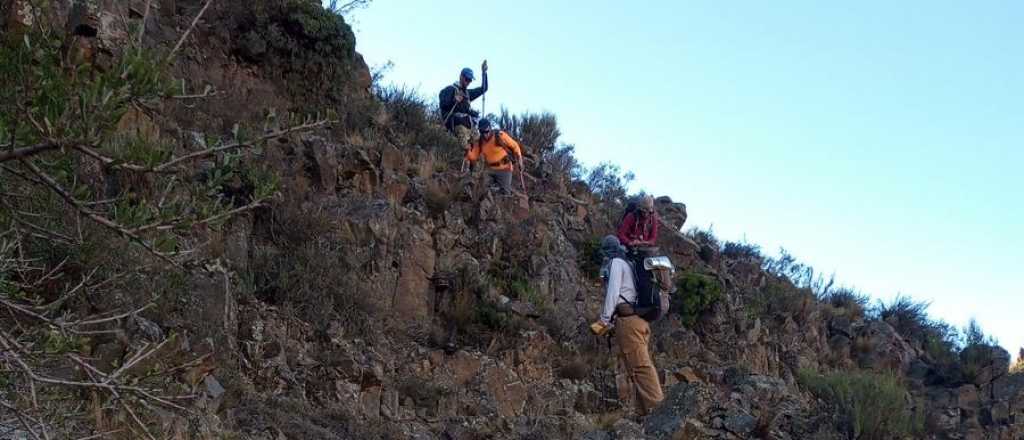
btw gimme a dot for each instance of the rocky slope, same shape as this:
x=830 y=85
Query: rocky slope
x=383 y=294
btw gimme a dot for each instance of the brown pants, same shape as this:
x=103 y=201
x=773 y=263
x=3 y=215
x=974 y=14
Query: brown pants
x=632 y=334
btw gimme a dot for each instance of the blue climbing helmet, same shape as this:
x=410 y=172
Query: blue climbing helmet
x=467 y=73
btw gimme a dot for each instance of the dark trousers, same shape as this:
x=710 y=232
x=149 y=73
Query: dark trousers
x=502 y=179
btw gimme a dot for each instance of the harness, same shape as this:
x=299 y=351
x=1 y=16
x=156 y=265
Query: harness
x=457 y=114
x=504 y=161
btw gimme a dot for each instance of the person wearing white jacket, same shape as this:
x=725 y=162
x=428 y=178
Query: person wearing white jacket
x=632 y=333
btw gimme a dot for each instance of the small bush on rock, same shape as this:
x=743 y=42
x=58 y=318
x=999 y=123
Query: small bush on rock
x=697 y=294
x=853 y=302
x=742 y=250
x=780 y=299
x=870 y=406
x=1018 y=365
x=908 y=317
x=589 y=257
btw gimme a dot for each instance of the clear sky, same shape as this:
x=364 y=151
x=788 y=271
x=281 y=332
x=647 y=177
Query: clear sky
x=880 y=140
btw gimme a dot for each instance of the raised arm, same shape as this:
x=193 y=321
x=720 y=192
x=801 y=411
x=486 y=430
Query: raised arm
x=624 y=228
x=479 y=91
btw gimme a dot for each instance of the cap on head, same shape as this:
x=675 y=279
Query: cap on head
x=467 y=73
x=610 y=243
x=647 y=204
x=485 y=125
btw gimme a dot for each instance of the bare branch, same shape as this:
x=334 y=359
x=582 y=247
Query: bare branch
x=101 y=435
x=167 y=166
x=109 y=161
x=159 y=226
x=207 y=93
x=21 y=175
x=24 y=152
x=163 y=226
x=139 y=356
x=7 y=342
x=115 y=317
x=188 y=31
x=46 y=233
x=59 y=302
x=50 y=182
x=347 y=7
x=234 y=145
x=24 y=419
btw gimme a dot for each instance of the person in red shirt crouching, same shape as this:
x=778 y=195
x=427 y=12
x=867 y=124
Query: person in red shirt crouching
x=639 y=228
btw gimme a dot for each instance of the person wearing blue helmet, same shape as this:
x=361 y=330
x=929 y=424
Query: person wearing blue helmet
x=455 y=105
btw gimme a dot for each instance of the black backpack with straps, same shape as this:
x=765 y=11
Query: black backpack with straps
x=648 y=293
x=651 y=302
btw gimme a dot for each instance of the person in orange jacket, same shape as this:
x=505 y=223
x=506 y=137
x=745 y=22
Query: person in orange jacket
x=500 y=152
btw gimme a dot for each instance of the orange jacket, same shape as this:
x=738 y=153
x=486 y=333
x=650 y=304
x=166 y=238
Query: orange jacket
x=494 y=154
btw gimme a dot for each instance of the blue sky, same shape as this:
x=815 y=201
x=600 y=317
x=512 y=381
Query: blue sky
x=880 y=140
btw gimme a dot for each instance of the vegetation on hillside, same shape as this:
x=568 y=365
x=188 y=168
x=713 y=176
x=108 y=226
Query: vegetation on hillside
x=870 y=406
x=102 y=216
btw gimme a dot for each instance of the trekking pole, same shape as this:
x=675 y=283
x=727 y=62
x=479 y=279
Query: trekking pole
x=521 y=180
x=483 y=110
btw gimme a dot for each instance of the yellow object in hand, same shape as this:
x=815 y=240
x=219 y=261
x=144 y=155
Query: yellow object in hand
x=598 y=328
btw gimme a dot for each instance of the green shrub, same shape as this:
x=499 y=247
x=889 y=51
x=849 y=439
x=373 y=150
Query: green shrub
x=847 y=299
x=520 y=289
x=588 y=258
x=302 y=44
x=488 y=316
x=908 y=317
x=408 y=111
x=741 y=250
x=779 y=298
x=697 y=294
x=562 y=162
x=609 y=182
x=703 y=237
x=1018 y=365
x=979 y=352
x=537 y=132
x=870 y=406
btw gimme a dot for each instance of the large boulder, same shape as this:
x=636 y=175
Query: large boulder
x=884 y=348
x=678 y=416
x=984 y=363
x=672 y=214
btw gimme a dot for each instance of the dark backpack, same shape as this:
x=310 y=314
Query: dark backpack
x=651 y=303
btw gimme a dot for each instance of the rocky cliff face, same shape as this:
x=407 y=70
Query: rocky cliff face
x=384 y=294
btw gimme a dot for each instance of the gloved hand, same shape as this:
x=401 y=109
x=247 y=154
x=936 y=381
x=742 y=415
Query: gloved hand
x=599 y=328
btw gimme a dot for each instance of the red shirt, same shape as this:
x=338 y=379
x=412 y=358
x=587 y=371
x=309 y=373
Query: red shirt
x=637 y=227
